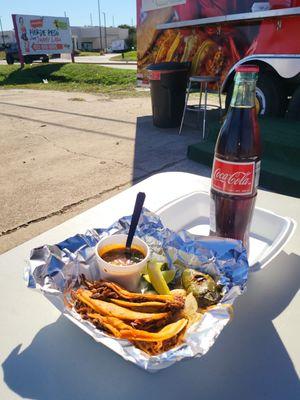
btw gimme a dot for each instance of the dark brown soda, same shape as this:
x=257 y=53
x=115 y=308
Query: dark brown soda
x=238 y=141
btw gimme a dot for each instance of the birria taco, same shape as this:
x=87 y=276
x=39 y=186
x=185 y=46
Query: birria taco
x=153 y=323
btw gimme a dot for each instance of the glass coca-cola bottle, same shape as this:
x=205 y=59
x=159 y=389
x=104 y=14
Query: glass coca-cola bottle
x=236 y=165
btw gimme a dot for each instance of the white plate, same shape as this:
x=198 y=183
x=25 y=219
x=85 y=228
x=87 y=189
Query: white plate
x=268 y=234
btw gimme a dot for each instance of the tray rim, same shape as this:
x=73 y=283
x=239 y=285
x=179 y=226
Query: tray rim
x=280 y=241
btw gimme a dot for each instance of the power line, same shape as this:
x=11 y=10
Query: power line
x=105 y=33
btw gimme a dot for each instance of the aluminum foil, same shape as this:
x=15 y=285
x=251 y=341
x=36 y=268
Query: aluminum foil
x=54 y=269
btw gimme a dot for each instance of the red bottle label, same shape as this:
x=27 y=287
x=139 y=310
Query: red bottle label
x=234 y=177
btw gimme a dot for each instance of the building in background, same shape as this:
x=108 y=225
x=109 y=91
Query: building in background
x=7 y=37
x=87 y=38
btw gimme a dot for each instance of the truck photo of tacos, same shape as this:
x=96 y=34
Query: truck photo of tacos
x=211 y=49
x=207 y=51
x=147 y=31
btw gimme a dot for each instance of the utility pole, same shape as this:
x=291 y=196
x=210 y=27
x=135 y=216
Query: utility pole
x=113 y=18
x=105 y=33
x=91 y=18
x=100 y=33
x=3 y=40
x=73 y=43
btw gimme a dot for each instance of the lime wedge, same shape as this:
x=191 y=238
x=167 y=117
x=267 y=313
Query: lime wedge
x=156 y=277
x=168 y=276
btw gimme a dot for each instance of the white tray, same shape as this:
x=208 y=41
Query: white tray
x=268 y=234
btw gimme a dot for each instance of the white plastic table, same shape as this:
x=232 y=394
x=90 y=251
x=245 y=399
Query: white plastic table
x=257 y=356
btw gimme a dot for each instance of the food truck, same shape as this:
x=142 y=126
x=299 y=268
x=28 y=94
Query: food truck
x=216 y=36
x=38 y=36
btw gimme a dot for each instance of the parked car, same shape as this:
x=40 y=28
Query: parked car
x=12 y=55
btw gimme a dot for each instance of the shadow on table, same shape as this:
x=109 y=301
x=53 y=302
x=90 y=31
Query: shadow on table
x=249 y=361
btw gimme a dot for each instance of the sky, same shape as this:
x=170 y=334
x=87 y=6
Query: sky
x=124 y=11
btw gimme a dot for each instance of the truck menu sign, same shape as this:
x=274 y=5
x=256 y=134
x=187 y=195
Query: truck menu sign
x=42 y=35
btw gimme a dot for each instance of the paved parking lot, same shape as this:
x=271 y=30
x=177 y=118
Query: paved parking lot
x=62 y=153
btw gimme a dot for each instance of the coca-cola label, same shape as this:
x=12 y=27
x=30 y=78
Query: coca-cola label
x=233 y=177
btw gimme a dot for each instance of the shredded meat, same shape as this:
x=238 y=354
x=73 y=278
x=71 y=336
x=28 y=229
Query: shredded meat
x=155 y=348
x=103 y=293
x=168 y=308
x=151 y=326
x=103 y=290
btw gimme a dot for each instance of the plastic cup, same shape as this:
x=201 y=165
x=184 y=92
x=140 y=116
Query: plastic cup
x=127 y=276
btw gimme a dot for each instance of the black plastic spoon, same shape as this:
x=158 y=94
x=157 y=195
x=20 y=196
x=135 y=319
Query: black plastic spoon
x=139 y=202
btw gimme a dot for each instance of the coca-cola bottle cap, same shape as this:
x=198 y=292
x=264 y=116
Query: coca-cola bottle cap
x=247 y=68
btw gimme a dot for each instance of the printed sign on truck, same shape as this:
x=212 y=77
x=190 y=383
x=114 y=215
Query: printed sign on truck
x=42 y=35
x=212 y=48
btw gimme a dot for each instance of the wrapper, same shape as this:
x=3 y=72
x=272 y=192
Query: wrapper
x=54 y=269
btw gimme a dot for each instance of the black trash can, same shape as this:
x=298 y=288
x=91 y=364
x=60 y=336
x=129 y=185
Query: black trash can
x=168 y=82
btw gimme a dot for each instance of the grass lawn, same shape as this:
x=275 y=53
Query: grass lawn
x=88 y=53
x=2 y=55
x=128 y=56
x=69 y=77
